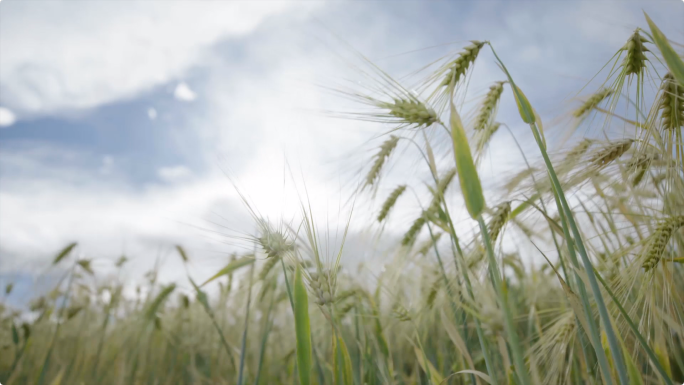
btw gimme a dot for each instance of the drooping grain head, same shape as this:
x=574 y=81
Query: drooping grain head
x=591 y=103
x=412 y=112
x=611 y=151
x=390 y=201
x=486 y=114
x=413 y=231
x=658 y=241
x=671 y=103
x=635 y=59
x=499 y=219
x=380 y=158
x=458 y=67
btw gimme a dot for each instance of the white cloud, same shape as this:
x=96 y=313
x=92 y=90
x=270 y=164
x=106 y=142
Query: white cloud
x=7 y=117
x=184 y=93
x=175 y=173
x=108 y=218
x=42 y=214
x=49 y=62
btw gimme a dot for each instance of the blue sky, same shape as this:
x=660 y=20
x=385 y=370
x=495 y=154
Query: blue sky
x=118 y=119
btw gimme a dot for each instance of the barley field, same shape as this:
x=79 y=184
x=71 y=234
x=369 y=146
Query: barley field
x=601 y=206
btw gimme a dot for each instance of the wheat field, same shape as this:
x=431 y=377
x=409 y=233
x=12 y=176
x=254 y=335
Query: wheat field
x=605 y=194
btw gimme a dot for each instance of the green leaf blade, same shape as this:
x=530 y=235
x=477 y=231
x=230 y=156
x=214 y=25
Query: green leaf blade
x=673 y=61
x=467 y=173
x=302 y=328
x=231 y=267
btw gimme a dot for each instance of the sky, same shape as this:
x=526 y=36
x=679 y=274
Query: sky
x=125 y=126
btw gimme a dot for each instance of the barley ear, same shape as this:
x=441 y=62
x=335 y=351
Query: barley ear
x=413 y=231
x=671 y=103
x=611 y=152
x=390 y=201
x=412 y=112
x=486 y=114
x=659 y=240
x=635 y=60
x=462 y=62
x=380 y=158
x=592 y=102
x=499 y=219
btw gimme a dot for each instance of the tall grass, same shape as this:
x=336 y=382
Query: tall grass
x=455 y=303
